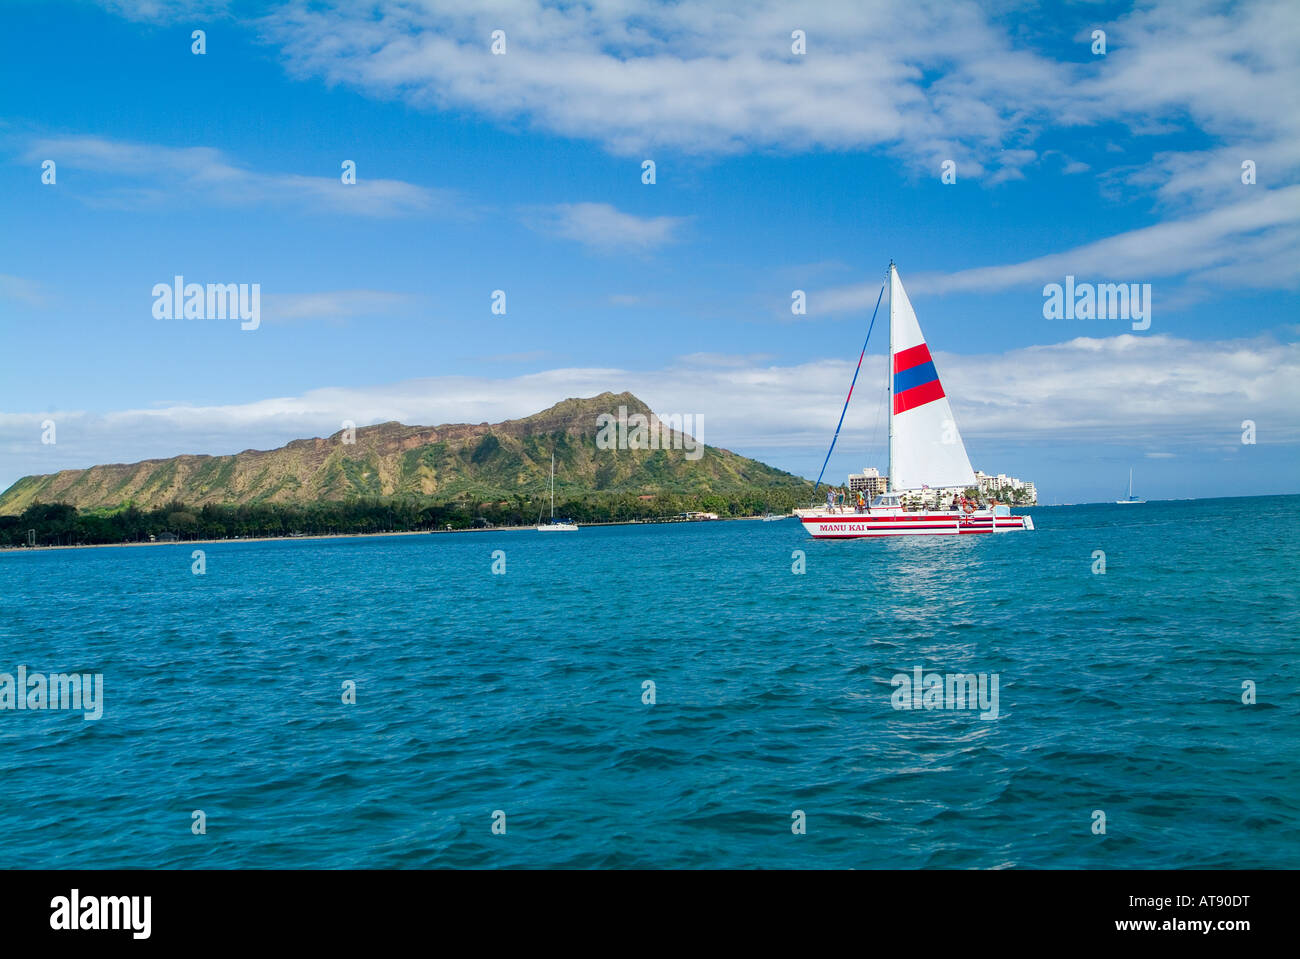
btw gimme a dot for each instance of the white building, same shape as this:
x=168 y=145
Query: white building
x=869 y=482
x=1002 y=484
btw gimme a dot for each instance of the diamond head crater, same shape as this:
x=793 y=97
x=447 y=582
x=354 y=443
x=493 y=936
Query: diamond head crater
x=391 y=477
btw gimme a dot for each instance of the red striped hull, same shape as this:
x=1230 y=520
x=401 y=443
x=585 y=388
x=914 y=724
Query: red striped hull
x=823 y=525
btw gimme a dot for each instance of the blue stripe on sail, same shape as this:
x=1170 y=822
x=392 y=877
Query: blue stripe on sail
x=916 y=376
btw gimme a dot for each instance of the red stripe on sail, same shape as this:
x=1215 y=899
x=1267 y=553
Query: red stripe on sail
x=918 y=396
x=910 y=357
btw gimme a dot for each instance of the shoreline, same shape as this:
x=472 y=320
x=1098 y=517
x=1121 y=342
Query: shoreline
x=409 y=532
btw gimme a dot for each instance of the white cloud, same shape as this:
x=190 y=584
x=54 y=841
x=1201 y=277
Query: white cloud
x=1158 y=390
x=332 y=305
x=1206 y=178
x=927 y=79
x=166 y=11
x=603 y=227
x=1225 y=236
x=1249 y=243
x=182 y=174
x=1241 y=237
x=712 y=79
x=1224 y=68
x=20 y=290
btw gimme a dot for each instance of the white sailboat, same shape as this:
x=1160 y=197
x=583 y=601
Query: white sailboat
x=553 y=526
x=1131 y=498
x=925 y=451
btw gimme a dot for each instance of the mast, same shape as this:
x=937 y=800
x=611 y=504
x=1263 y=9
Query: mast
x=889 y=377
x=552 y=486
x=1130 y=482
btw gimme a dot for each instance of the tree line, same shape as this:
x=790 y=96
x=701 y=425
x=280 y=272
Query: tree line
x=59 y=524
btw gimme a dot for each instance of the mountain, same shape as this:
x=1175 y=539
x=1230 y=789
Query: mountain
x=433 y=464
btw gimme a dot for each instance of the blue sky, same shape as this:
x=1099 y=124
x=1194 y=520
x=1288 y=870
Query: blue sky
x=774 y=172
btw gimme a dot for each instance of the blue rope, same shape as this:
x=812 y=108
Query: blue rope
x=879 y=297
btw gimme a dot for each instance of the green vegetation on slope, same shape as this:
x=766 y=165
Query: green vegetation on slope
x=447 y=474
x=426 y=466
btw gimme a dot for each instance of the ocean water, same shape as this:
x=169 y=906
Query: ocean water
x=522 y=693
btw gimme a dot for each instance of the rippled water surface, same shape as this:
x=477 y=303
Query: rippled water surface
x=522 y=692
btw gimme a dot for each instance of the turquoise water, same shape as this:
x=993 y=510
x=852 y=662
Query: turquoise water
x=522 y=693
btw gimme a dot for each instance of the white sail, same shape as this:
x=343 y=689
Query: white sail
x=925 y=448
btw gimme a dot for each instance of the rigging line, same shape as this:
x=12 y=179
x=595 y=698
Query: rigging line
x=872 y=325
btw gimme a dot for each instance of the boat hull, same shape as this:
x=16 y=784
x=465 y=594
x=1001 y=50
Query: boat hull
x=849 y=524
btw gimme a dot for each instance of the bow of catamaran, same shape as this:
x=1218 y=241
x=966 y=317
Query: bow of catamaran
x=926 y=452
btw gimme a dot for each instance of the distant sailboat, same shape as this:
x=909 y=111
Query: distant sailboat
x=553 y=526
x=925 y=449
x=1131 y=498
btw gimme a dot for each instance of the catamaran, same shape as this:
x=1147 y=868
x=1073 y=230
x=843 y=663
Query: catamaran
x=553 y=526
x=925 y=450
x=1131 y=498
